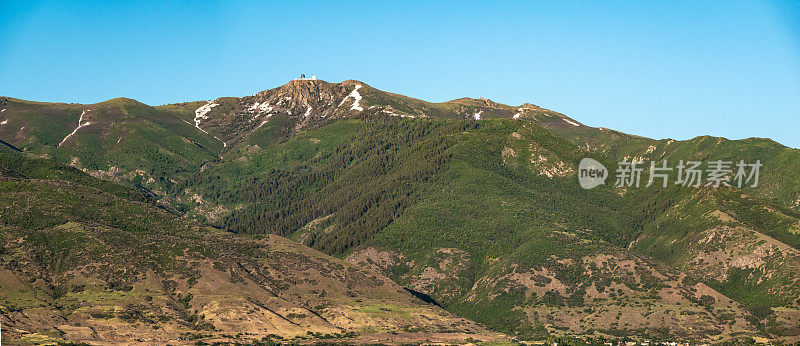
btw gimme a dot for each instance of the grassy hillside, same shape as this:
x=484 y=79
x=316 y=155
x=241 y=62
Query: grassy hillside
x=120 y=140
x=483 y=216
x=778 y=183
x=470 y=204
x=745 y=248
x=87 y=260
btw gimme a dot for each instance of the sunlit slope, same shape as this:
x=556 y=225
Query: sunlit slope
x=476 y=204
x=745 y=248
x=120 y=139
x=86 y=260
x=486 y=217
x=779 y=180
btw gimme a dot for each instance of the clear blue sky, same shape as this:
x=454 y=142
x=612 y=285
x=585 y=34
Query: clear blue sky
x=675 y=69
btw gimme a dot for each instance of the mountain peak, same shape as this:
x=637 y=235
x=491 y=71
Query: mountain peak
x=480 y=102
x=350 y=82
x=121 y=101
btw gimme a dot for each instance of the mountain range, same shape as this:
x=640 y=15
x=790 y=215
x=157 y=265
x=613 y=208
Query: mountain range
x=321 y=211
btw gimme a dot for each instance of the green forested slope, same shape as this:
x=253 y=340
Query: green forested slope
x=473 y=203
x=479 y=215
x=120 y=140
x=84 y=260
x=778 y=183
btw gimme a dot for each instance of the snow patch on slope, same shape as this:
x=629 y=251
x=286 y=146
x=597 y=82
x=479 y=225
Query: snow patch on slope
x=385 y=111
x=200 y=114
x=261 y=124
x=80 y=124
x=477 y=115
x=571 y=122
x=261 y=107
x=519 y=113
x=356 y=96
